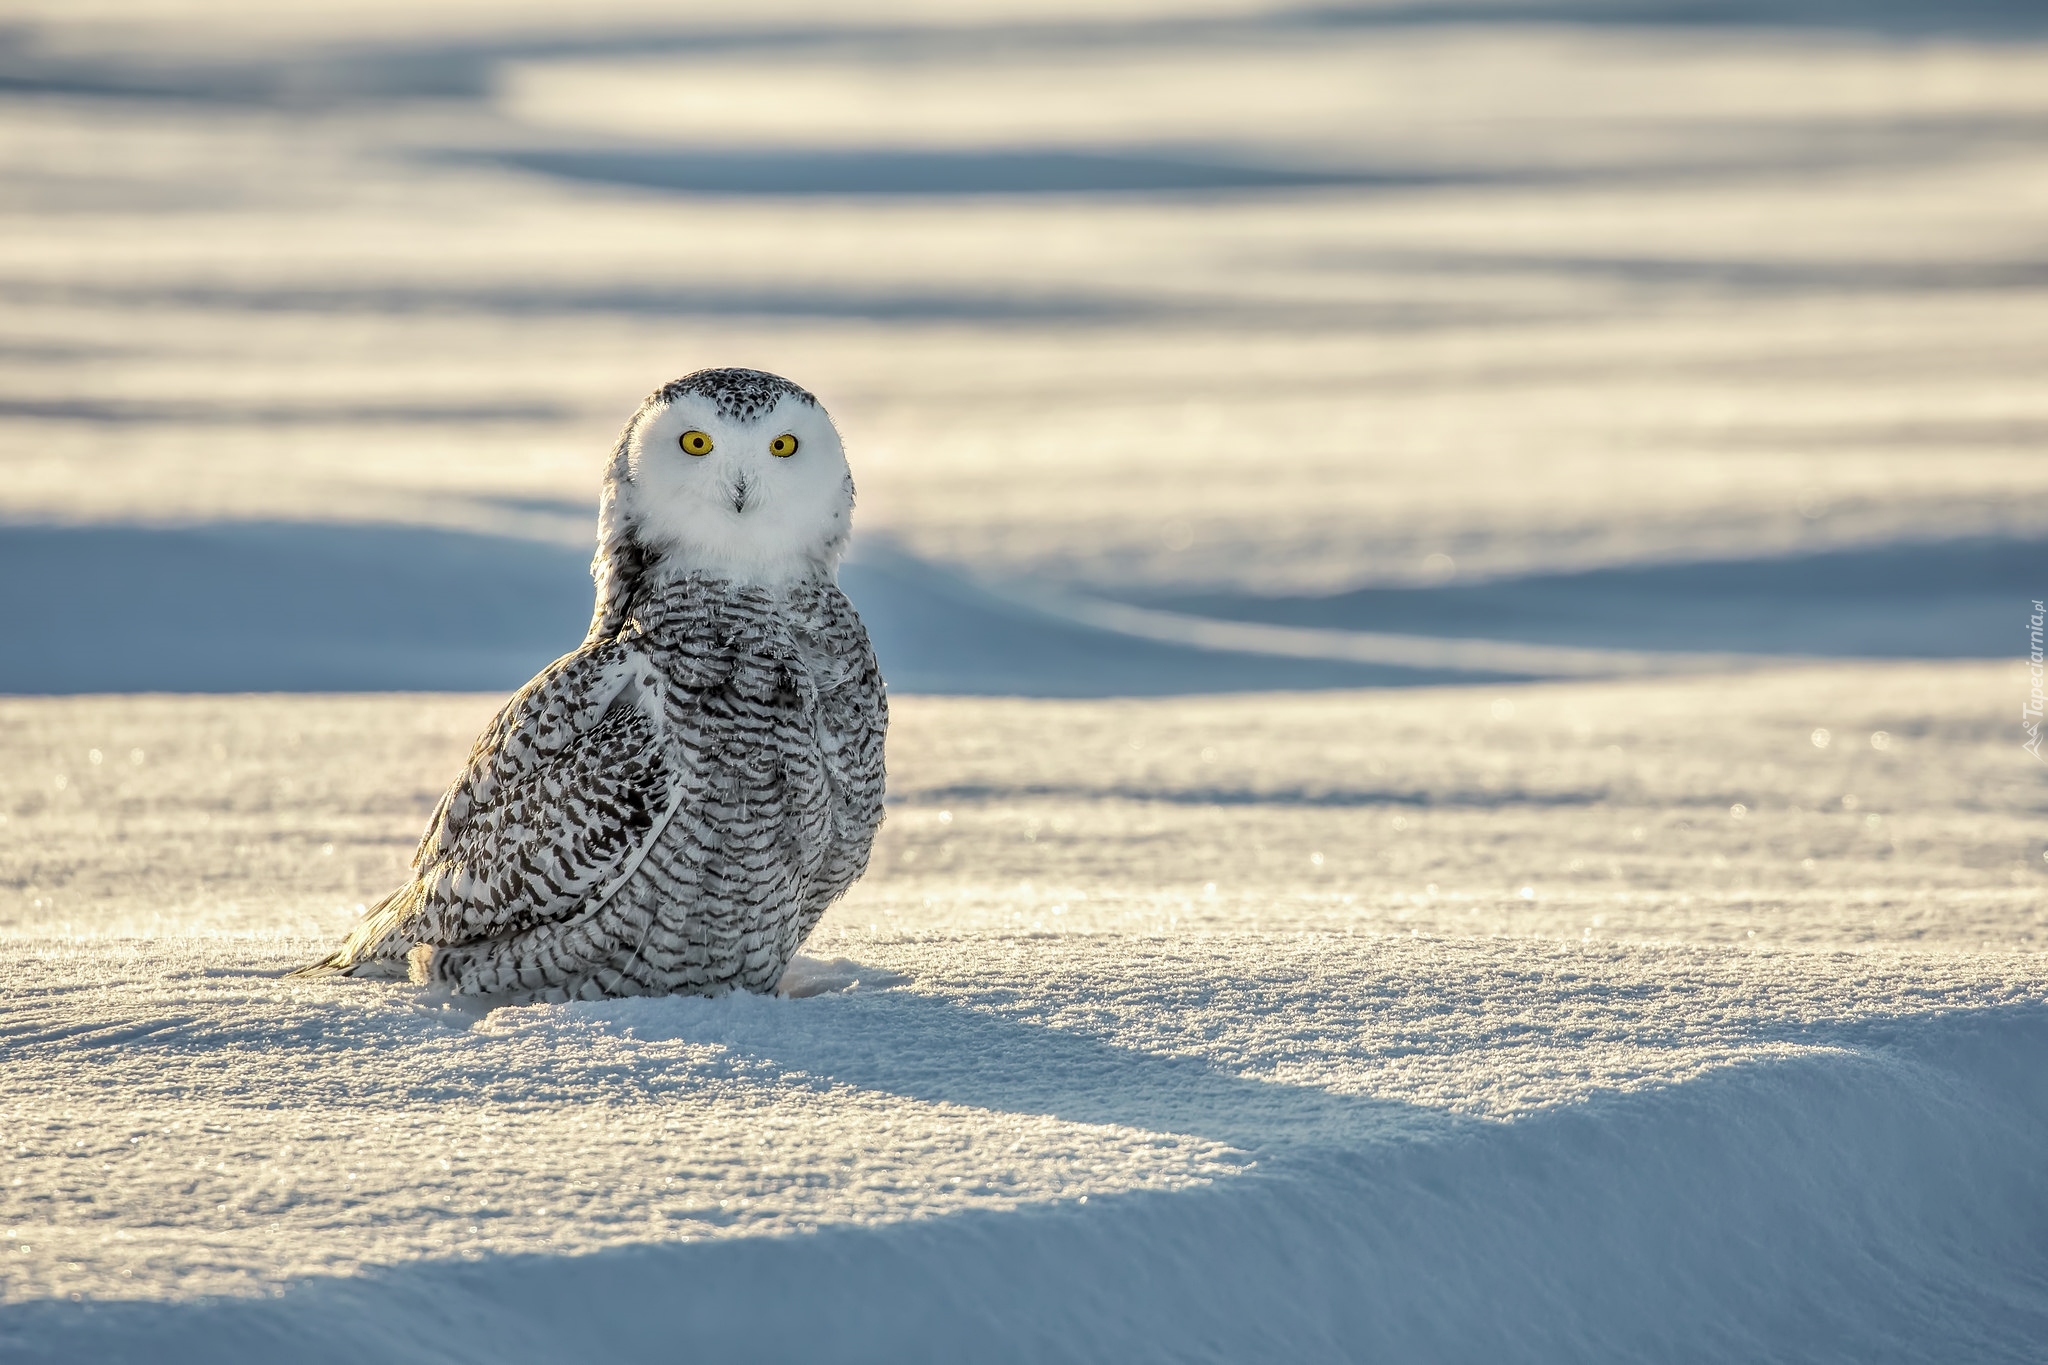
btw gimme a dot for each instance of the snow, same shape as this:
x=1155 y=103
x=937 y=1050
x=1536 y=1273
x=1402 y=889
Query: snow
x=1283 y=1145
x=1693 y=1098
x=1456 y=788
x=1613 y=802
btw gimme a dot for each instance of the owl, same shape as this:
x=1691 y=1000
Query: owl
x=671 y=807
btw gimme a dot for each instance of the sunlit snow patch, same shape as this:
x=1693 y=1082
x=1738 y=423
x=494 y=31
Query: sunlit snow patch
x=808 y=976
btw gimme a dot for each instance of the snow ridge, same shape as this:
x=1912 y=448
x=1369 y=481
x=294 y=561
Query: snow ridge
x=1875 y=1197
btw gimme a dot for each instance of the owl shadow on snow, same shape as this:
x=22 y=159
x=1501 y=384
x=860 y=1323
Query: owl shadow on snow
x=904 y=1042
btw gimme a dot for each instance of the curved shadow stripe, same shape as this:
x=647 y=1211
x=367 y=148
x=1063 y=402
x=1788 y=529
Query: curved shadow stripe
x=937 y=632
x=255 y=606
x=705 y=299
x=294 y=607
x=108 y=412
x=276 y=606
x=913 y=171
x=1944 y=599
x=465 y=70
x=1301 y=798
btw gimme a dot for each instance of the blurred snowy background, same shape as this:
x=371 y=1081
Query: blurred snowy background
x=1710 y=327
x=1453 y=577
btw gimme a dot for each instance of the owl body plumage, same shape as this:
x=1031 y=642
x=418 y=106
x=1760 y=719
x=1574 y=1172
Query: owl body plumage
x=673 y=806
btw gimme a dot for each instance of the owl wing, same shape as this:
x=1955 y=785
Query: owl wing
x=852 y=723
x=563 y=793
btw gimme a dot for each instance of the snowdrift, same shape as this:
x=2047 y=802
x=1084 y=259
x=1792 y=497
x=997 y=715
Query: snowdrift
x=1881 y=1196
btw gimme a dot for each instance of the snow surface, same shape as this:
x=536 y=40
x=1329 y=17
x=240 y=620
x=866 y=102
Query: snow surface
x=1252 y=408
x=1236 y=1146
x=1432 y=1024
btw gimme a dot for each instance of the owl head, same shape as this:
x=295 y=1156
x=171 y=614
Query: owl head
x=735 y=473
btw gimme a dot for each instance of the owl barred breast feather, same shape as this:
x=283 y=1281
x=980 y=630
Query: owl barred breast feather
x=671 y=807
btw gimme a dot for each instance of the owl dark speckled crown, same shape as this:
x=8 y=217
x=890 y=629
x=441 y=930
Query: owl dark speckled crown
x=740 y=395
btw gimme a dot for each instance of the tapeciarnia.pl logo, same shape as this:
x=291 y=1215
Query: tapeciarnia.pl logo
x=2030 y=714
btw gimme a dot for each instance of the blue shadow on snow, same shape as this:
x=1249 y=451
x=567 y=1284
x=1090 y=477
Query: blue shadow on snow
x=235 y=607
x=1962 y=598
x=292 y=607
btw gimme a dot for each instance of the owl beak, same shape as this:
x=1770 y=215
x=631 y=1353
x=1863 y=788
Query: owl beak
x=738 y=492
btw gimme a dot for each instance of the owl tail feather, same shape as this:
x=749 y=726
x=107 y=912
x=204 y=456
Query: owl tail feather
x=359 y=953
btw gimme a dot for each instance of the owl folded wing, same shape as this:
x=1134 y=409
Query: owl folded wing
x=564 y=792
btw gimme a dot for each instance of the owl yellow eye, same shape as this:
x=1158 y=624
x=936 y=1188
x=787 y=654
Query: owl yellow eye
x=783 y=446
x=694 y=443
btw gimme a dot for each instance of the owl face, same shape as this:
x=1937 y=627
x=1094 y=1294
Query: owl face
x=759 y=495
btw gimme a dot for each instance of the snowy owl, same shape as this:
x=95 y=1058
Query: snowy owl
x=670 y=808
